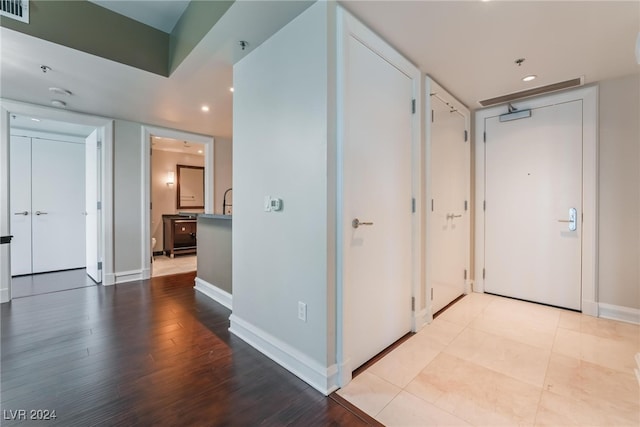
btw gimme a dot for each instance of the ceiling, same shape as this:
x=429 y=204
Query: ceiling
x=468 y=47
x=161 y=15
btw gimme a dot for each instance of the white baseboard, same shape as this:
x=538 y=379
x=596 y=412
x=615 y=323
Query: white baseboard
x=617 y=312
x=146 y=273
x=108 y=279
x=127 y=276
x=419 y=319
x=215 y=293
x=323 y=379
x=4 y=295
x=590 y=308
x=345 y=373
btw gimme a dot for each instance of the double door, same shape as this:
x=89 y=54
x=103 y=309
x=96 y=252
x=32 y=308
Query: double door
x=47 y=198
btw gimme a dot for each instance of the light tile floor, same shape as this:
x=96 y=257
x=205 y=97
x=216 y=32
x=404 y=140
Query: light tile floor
x=492 y=361
x=164 y=266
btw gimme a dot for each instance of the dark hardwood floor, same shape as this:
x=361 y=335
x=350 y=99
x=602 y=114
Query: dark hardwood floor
x=147 y=353
x=43 y=283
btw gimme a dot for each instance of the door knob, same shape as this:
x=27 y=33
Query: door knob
x=573 y=219
x=25 y=213
x=357 y=223
x=41 y=213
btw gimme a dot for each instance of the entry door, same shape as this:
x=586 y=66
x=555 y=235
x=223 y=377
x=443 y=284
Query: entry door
x=58 y=197
x=377 y=192
x=449 y=246
x=533 y=181
x=92 y=197
x=20 y=194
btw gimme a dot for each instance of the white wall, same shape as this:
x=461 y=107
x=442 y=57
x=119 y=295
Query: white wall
x=163 y=196
x=619 y=191
x=127 y=186
x=280 y=149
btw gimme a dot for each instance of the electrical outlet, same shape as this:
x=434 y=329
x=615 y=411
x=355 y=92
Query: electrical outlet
x=302 y=311
x=267 y=203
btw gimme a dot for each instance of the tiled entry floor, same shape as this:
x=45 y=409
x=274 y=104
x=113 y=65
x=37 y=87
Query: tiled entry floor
x=164 y=266
x=490 y=361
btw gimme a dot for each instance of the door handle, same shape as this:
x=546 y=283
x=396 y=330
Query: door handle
x=452 y=216
x=357 y=223
x=41 y=213
x=25 y=213
x=573 y=219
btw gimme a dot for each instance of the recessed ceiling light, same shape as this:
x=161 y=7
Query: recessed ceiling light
x=230 y=89
x=205 y=108
x=58 y=103
x=528 y=78
x=199 y=151
x=35 y=120
x=60 y=91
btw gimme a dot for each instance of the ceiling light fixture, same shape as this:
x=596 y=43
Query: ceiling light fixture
x=58 y=103
x=205 y=108
x=231 y=89
x=529 y=78
x=60 y=91
x=199 y=151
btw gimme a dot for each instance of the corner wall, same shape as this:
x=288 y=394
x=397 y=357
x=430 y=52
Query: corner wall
x=280 y=150
x=619 y=188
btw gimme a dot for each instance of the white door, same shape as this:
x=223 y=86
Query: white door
x=92 y=197
x=377 y=189
x=449 y=244
x=20 y=202
x=58 y=197
x=533 y=179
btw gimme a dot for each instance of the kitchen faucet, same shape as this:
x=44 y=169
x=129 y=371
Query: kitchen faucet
x=224 y=202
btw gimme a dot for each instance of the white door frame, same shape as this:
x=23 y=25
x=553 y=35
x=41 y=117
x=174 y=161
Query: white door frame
x=432 y=87
x=105 y=126
x=348 y=26
x=589 y=97
x=146 y=134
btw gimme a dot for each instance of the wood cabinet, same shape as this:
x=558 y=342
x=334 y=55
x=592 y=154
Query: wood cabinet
x=180 y=235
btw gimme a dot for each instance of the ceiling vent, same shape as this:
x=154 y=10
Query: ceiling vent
x=16 y=9
x=533 y=92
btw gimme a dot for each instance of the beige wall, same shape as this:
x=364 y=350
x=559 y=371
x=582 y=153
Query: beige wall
x=163 y=196
x=619 y=191
x=222 y=170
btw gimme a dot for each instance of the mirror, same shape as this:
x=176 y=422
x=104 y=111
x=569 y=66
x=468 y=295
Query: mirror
x=190 y=188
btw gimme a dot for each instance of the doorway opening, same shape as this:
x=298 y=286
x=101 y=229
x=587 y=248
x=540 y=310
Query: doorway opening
x=177 y=196
x=57 y=211
x=177 y=186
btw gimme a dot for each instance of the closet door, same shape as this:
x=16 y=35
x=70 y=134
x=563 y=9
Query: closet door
x=20 y=201
x=58 y=204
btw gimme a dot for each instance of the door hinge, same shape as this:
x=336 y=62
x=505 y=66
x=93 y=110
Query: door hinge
x=151 y=205
x=484 y=273
x=484 y=136
x=432 y=116
x=98 y=205
x=413 y=106
x=431 y=294
x=465 y=205
x=100 y=265
x=99 y=145
x=413 y=205
x=413 y=303
x=484 y=205
x=431 y=205
x=465 y=274
x=466 y=136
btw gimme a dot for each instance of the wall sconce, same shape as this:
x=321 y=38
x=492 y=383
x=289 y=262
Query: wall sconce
x=171 y=178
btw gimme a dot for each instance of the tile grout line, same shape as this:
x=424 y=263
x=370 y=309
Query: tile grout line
x=546 y=372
